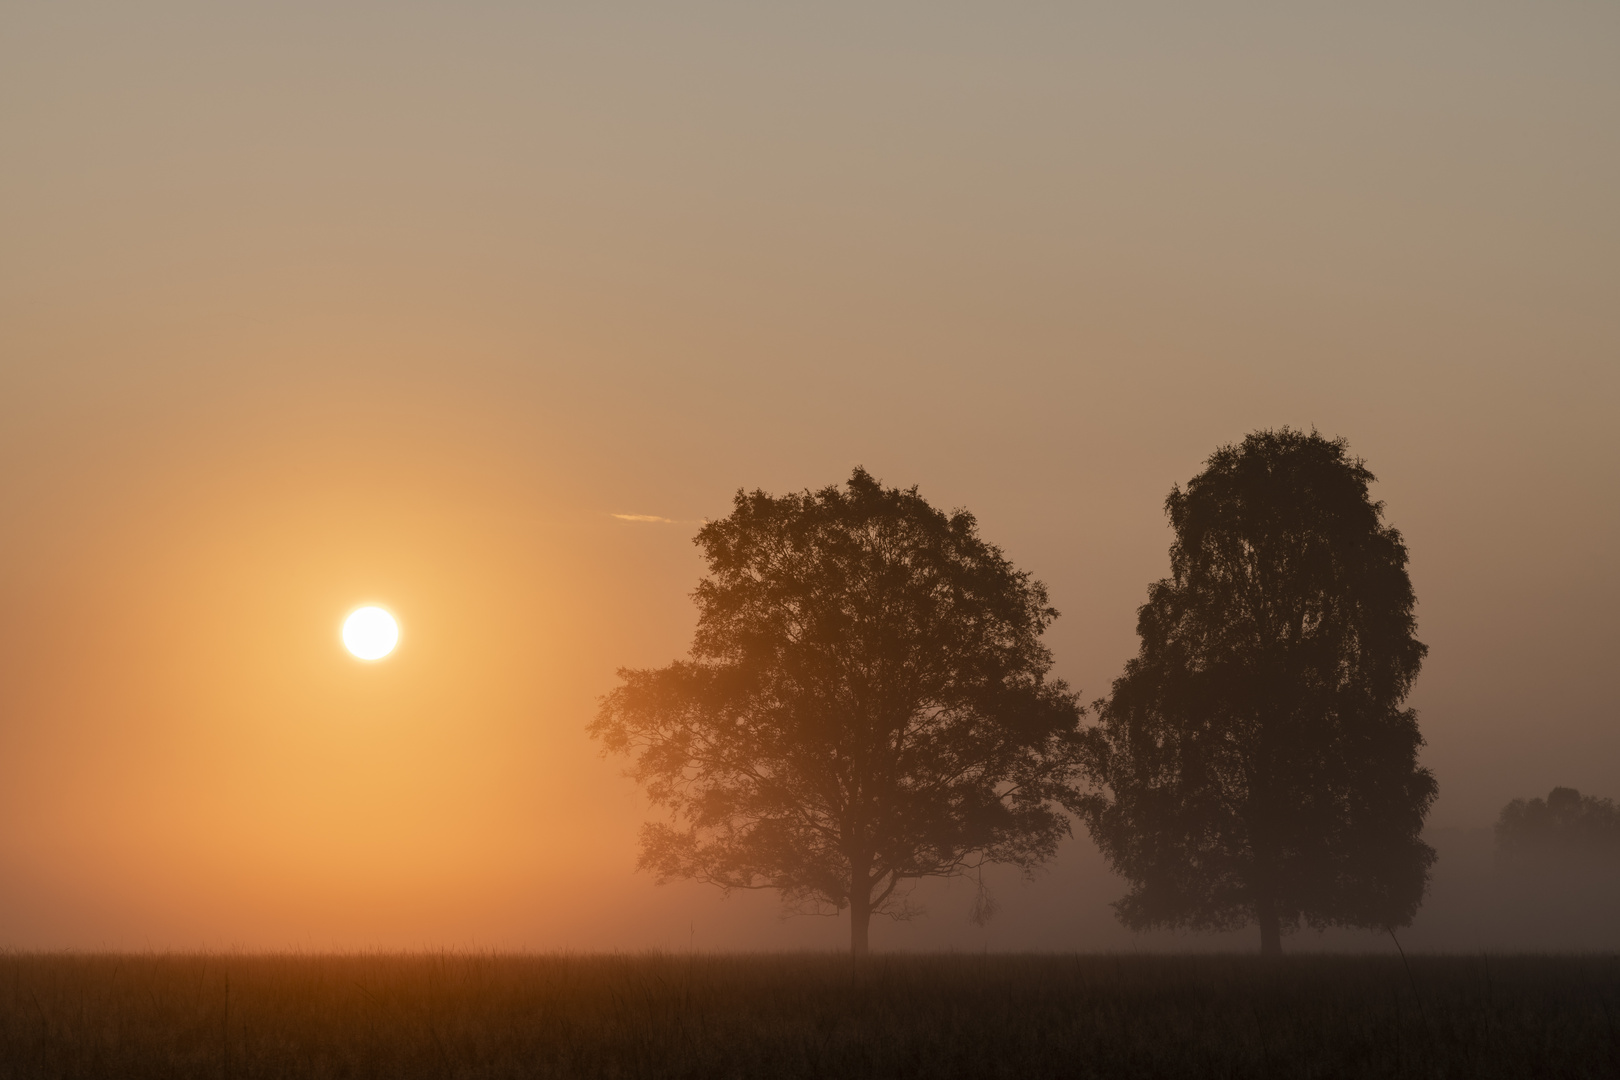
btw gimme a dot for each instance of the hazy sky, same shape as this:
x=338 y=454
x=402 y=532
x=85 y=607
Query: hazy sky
x=309 y=305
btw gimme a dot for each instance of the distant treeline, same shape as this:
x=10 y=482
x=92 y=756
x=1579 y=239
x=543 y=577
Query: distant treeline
x=1549 y=878
x=1564 y=829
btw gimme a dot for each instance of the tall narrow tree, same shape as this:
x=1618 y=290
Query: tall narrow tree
x=1255 y=762
x=867 y=704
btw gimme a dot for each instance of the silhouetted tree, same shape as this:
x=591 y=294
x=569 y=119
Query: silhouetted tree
x=1254 y=760
x=1565 y=827
x=867 y=704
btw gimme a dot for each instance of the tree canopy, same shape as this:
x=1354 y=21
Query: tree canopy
x=867 y=703
x=1254 y=761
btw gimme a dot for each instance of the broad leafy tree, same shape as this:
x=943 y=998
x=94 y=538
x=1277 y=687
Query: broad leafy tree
x=867 y=703
x=1255 y=762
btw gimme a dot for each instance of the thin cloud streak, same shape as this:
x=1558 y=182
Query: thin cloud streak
x=652 y=517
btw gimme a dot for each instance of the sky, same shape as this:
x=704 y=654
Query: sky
x=305 y=306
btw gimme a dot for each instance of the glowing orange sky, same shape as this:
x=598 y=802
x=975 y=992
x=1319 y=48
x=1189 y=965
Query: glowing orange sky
x=303 y=307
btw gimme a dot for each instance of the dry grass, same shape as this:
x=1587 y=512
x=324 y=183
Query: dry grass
x=399 y=1017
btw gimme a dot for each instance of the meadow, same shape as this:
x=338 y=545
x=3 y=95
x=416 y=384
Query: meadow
x=806 y=1015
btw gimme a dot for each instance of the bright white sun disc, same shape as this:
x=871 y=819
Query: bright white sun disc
x=370 y=633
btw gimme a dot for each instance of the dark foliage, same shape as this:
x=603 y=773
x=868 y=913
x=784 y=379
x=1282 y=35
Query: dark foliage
x=867 y=704
x=1256 y=764
x=718 y=1017
x=1566 y=826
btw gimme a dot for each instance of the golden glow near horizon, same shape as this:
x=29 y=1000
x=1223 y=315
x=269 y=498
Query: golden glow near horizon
x=370 y=633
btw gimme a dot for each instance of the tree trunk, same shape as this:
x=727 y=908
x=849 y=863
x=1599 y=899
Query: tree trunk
x=1270 y=927
x=860 y=920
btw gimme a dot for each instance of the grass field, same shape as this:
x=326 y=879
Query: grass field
x=457 y=1015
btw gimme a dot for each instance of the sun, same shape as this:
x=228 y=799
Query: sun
x=370 y=633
